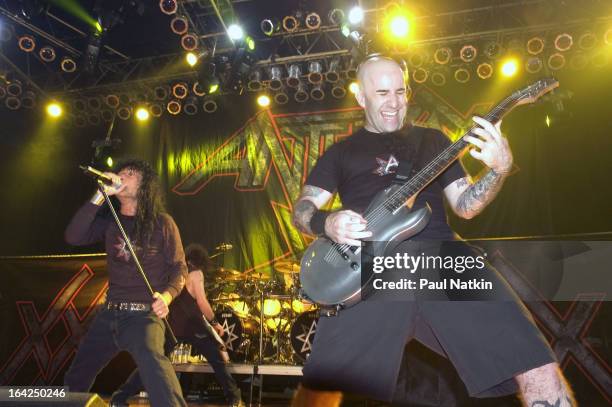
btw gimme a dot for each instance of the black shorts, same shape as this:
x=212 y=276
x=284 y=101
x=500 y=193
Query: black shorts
x=489 y=342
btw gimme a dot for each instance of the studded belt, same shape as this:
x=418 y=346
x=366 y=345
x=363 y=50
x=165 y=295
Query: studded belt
x=128 y=306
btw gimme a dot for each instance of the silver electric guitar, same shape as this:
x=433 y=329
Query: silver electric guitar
x=330 y=272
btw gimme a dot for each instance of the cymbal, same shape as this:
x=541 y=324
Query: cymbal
x=286 y=267
x=258 y=275
x=223 y=270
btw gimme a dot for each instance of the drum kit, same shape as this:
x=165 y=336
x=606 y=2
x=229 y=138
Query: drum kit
x=264 y=317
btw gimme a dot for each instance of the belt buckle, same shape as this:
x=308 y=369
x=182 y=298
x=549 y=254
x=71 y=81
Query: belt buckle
x=137 y=307
x=123 y=306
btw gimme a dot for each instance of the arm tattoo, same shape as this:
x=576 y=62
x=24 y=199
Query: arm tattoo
x=478 y=195
x=304 y=208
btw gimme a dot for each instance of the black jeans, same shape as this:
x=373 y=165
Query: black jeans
x=139 y=333
x=202 y=346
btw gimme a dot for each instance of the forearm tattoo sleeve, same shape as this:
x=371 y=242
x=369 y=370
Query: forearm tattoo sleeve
x=478 y=195
x=305 y=208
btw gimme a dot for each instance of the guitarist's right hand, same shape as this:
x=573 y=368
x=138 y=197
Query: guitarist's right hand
x=346 y=227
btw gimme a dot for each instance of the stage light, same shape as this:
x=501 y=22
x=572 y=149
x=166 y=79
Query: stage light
x=416 y=59
x=355 y=15
x=107 y=115
x=338 y=91
x=209 y=106
x=191 y=58
x=290 y=23
x=168 y=7
x=281 y=98
x=47 y=54
x=92 y=52
x=28 y=100
x=269 y=26
x=493 y=50
x=301 y=95
x=354 y=87
x=564 y=42
x=161 y=92
x=399 y=27
x=156 y=110
x=250 y=43
x=332 y=75
x=179 y=25
x=438 y=78
x=556 y=61
x=468 y=53
x=535 y=45
x=80 y=121
x=314 y=72
x=124 y=112
x=173 y=107
x=509 y=67
x=313 y=21
x=93 y=119
x=12 y=103
x=335 y=16
x=189 y=42
x=442 y=56
x=276 y=78
x=255 y=83
x=14 y=88
x=235 y=32
x=462 y=75
x=579 y=61
x=190 y=107
x=317 y=93
x=345 y=30
x=547 y=121
x=26 y=43
x=179 y=90
x=484 y=70
x=94 y=103
x=54 y=109
x=420 y=75
x=294 y=76
x=351 y=71
x=142 y=114
x=263 y=100
x=112 y=100
x=213 y=87
x=534 y=65
x=608 y=36
x=68 y=65
x=587 y=41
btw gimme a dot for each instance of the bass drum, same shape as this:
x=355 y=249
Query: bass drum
x=237 y=333
x=303 y=332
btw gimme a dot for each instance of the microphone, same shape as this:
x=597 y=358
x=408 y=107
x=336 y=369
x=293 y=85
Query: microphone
x=224 y=247
x=96 y=174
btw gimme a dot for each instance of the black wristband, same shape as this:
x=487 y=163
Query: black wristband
x=317 y=222
x=213 y=321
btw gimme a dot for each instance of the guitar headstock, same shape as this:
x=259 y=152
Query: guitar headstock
x=535 y=91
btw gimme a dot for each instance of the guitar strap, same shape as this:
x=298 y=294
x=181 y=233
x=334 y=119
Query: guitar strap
x=405 y=167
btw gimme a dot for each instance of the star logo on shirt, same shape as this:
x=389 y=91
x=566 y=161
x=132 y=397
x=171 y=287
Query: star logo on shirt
x=231 y=336
x=386 y=167
x=307 y=336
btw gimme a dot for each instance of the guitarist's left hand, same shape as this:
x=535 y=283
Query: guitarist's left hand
x=491 y=147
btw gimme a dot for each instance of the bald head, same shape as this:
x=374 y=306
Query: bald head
x=382 y=93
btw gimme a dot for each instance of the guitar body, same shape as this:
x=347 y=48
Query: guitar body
x=330 y=277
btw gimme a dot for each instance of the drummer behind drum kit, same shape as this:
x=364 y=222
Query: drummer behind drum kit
x=289 y=322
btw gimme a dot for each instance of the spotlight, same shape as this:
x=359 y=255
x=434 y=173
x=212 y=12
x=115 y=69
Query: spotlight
x=209 y=106
x=93 y=119
x=420 y=75
x=156 y=109
x=47 y=54
x=68 y=64
x=142 y=114
x=493 y=50
x=317 y=93
x=189 y=42
x=179 y=25
x=255 y=83
x=484 y=70
x=174 y=107
x=168 y=7
x=28 y=100
x=27 y=43
x=301 y=95
x=462 y=75
x=54 y=109
x=124 y=112
x=213 y=86
x=442 y=56
x=263 y=100
x=313 y=21
x=314 y=72
x=290 y=23
x=509 y=67
x=92 y=52
x=124 y=98
x=107 y=115
x=191 y=58
x=417 y=59
x=276 y=78
x=335 y=16
x=534 y=65
x=468 y=53
x=355 y=16
x=235 y=32
x=608 y=36
x=191 y=107
x=80 y=121
x=269 y=26
x=79 y=105
x=94 y=103
x=438 y=78
x=179 y=90
x=399 y=26
x=338 y=91
x=332 y=75
x=12 y=103
x=294 y=76
x=556 y=61
x=563 y=42
x=579 y=61
x=14 y=88
x=535 y=46
x=281 y=98
x=354 y=87
x=161 y=92
x=112 y=100
x=587 y=41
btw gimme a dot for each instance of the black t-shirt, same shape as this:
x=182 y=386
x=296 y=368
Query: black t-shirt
x=365 y=163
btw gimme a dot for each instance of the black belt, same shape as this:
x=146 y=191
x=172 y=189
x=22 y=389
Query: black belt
x=128 y=306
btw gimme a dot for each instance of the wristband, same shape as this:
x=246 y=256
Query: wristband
x=214 y=321
x=317 y=222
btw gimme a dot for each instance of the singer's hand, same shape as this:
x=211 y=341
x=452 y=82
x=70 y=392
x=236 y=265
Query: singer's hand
x=117 y=186
x=161 y=303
